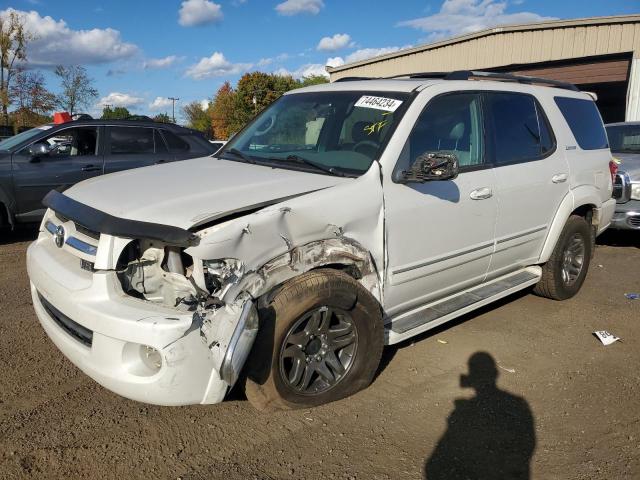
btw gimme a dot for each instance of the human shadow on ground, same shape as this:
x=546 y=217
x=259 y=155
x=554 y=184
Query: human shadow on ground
x=490 y=436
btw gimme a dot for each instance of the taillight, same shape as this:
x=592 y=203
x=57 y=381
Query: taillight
x=613 y=168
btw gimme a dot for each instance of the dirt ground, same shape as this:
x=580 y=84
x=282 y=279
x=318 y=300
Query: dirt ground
x=565 y=406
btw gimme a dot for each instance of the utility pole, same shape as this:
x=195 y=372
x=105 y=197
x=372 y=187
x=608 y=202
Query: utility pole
x=173 y=107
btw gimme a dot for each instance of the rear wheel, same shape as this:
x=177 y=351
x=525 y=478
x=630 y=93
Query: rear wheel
x=320 y=340
x=564 y=273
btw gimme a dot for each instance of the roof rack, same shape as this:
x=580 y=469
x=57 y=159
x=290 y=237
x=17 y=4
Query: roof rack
x=468 y=74
x=473 y=74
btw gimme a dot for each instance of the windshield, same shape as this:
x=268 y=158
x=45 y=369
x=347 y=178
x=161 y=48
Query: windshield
x=337 y=133
x=11 y=142
x=624 y=138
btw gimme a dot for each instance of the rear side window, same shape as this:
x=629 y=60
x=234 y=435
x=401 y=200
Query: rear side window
x=519 y=128
x=175 y=143
x=131 y=140
x=584 y=121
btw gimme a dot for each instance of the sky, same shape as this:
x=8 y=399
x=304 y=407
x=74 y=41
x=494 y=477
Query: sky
x=140 y=52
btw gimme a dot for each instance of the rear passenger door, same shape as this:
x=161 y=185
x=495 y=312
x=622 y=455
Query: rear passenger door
x=531 y=177
x=132 y=147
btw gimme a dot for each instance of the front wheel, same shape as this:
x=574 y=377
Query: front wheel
x=320 y=340
x=564 y=273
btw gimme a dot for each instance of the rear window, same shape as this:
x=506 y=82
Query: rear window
x=584 y=121
x=131 y=140
x=175 y=143
x=520 y=129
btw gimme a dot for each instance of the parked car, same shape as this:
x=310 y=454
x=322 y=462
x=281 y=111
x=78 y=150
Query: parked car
x=624 y=141
x=56 y=156
x=218 y=144
x=344 y=217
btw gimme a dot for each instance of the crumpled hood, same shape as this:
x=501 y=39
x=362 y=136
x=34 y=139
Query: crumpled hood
x=191 y=192
x=630 y=164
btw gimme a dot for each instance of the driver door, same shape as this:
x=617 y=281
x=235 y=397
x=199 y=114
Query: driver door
x=74 y=156
x=440 y=234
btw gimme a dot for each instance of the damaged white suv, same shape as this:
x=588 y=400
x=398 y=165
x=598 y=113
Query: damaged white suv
x=344 y=217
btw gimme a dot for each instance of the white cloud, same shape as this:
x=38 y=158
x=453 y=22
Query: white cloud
x=335 y=61
x=465 y=16
x=56 y=43
x=205 y=103
x=117 y=99
x=331 y=44
x=160 y=62
x=160 y=103
x=199 y=12
x=363 y=54
x=307 y=70
x=295 y=7
x=216 y=66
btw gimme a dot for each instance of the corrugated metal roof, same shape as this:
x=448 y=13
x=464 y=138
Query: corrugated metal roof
x=548 y=25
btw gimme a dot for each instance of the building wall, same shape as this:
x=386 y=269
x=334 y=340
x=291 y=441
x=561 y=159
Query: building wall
x=517 y=45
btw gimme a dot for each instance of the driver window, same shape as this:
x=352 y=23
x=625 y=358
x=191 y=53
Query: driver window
x=73 y=142
x=449 y=124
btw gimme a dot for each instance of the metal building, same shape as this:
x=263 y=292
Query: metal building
x=600 y=54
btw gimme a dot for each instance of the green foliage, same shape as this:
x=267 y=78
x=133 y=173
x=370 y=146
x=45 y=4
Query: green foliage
x=162 y=118
x=312 y=80
x=116 y=113
x=197 y=117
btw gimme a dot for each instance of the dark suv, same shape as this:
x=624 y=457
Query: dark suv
x=56 y=156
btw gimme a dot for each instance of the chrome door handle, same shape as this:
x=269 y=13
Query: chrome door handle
x=90 y=168
x=559 y=178
x=481 y=193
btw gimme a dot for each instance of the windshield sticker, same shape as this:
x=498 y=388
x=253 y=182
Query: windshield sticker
x=379 y=103
x=44 y=127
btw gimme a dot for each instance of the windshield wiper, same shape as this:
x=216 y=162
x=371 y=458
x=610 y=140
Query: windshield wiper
x=316 y=165
x=238 y=153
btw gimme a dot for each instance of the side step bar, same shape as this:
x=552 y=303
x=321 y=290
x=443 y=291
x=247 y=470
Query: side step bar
x=429 y=316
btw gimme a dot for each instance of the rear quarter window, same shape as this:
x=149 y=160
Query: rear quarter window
x=585 y=122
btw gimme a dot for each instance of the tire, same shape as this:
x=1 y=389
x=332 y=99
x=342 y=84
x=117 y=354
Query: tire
x=279 y=364
x=562 y=276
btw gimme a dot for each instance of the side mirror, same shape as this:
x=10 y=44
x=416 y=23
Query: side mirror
x=38 y=149
x=432 y=166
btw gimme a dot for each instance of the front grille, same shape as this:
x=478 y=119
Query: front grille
x=79 y=228
x=634 y=221
x=77 y=331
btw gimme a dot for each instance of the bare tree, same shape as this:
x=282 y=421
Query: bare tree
x=13 y=47
x=77 y=88
x=32 y=98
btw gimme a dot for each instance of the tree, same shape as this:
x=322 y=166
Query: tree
x=32 y=98
x=222 y=112
x=312 y=80
x=116 y=113
x=197 y=117
x=77 y=88
x=13 y=47
x=162 y=118
x=257 y=90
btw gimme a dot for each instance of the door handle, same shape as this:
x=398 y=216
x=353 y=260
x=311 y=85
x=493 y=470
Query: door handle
x=559 y=178
x=481 y=193
x=160 y=161
x=91 y=168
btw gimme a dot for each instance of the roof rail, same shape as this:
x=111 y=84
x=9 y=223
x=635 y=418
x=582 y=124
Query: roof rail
x=354 y=79
x=468 y=74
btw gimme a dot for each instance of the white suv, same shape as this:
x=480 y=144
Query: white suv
x=344 y=217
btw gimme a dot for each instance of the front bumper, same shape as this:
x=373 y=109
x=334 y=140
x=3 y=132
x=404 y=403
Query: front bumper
x=119 y=325
x=627 y=216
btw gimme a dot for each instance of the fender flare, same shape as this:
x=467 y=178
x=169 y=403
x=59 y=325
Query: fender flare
x=576 y=198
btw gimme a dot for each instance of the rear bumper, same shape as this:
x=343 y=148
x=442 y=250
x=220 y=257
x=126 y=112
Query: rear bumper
x=627 y=216
x=67 y=298
x=606 y=215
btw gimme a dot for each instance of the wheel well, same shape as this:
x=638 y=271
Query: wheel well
x=585 y=211
x=350 y=270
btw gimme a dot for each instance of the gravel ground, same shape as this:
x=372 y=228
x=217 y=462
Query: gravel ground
x=564 y=406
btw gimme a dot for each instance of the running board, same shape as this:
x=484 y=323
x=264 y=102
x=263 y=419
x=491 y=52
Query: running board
x=429 y=316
